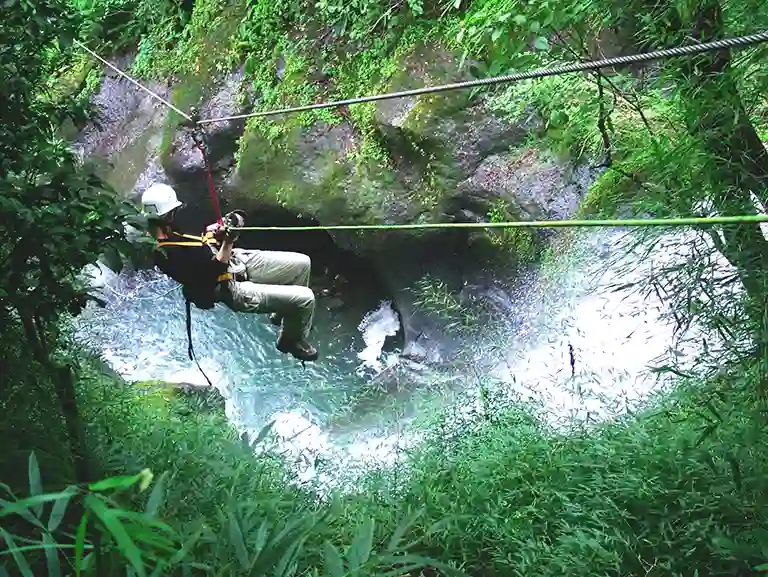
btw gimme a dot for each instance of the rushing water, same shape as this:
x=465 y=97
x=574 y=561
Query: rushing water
x=566 y=338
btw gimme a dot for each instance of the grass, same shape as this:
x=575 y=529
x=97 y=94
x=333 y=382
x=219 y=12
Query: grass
x=659 y=492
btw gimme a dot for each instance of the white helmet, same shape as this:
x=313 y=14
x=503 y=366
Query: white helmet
x=159 y=199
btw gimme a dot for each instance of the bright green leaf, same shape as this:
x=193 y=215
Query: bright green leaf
x=334 y=565
x=360 y=549
x=402 y=528
x=80 y=543
x=58 y=511
x=35 y=483
x=541 y=43
x=236 y=537
x=520 y=19
x=156 y=496
x=124 y=542
x=21 y=562
x=121 y=482
x=20 y=507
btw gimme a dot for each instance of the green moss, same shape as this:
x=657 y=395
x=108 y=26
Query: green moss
x=81 y=79
x=190 y=91
x=614 y=189
x=271 y=168
x=158 y=394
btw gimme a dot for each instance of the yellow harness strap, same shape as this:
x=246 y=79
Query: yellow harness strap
x=197 y=241
x=181 y=243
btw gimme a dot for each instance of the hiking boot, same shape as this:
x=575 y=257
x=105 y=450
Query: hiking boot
x=276 y=319
x=300 y=349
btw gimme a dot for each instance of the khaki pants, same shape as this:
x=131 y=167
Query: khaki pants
x=277 y=282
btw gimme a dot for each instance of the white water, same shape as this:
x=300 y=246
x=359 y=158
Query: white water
x=614 y=335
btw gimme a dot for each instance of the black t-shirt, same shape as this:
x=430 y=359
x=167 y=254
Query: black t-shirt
x=193 y=264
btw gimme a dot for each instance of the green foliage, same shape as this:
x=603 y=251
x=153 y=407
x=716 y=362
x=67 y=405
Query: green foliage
x=661 y=489
x=433 y=296
x=217 y=508
x=57 y=217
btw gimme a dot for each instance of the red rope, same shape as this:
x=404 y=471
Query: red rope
x=211 y=185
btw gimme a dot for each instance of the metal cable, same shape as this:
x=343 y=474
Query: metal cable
x=541 y=73
x=132 y=81
x=636 y=222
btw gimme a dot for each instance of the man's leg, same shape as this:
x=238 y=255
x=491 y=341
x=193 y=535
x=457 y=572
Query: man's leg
x=294 y=304
x=275 y=267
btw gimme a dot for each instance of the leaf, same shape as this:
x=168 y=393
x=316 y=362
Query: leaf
x=156 y=496
x=288 y=557
x=334 y=564
x=520 y=19
x=124 y=542
x=236 y=536
x=402 y=570
x=21 y=562
x=360 y=549
x=80 y=544
x=35 y=484
x=401 y=529
x=146 y=479
x=121 y=481
x=188 y=545
x=59 y=508
x=52 y=556
x=541 y=43
x=20 y=507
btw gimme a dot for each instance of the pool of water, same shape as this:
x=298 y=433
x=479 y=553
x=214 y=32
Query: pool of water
x=563 y=336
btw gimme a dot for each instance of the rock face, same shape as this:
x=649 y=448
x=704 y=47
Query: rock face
x=439 y=158
x=448 y=156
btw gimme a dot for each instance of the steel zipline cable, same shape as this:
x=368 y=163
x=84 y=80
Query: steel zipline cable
x=134 y=82
x=540 y=73
x=727 y=43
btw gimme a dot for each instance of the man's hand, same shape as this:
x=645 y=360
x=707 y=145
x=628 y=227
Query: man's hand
x=225 y=235
x=234 y=219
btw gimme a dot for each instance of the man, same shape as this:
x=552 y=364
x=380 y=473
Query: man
x=252 y=281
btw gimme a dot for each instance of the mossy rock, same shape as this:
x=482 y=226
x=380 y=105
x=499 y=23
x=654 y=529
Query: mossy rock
x=180 y=397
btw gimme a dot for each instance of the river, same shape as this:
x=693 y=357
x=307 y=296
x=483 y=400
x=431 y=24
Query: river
x=563 y=337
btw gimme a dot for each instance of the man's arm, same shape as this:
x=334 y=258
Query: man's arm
x=225 y=252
